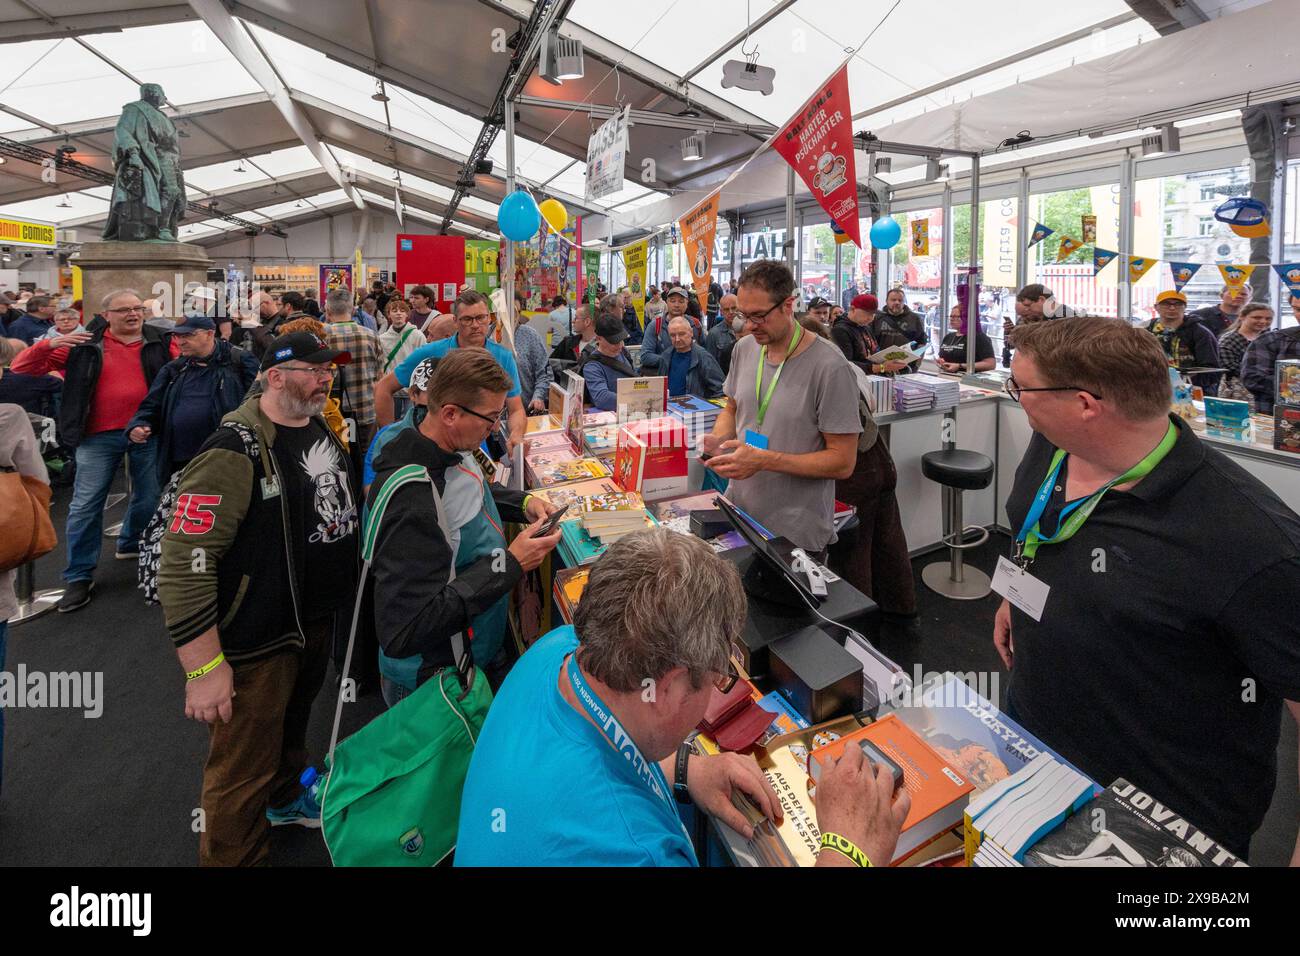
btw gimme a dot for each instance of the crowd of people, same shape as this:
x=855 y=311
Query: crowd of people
x=263 y=434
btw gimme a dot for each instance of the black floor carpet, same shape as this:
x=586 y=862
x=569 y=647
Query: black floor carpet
x=124 y=788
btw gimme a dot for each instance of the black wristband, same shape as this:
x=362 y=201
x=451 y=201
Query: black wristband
x=680 y=792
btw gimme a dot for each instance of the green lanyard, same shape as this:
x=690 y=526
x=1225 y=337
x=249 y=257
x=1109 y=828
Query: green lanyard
x=1074 y=514
x=765 y=400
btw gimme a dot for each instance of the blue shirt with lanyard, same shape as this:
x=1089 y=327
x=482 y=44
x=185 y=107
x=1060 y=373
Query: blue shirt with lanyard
x=548 y=787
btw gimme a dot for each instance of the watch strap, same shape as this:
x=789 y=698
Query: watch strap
x=680 y=791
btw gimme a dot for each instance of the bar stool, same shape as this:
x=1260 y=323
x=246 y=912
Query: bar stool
x=957 y=470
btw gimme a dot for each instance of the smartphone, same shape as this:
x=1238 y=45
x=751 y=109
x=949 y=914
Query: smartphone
x=551 y=523
x=874 y=754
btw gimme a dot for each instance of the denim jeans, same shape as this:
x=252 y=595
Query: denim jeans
x=98 y=458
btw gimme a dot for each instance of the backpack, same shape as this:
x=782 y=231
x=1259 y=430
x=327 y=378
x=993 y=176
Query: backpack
x=146 y=572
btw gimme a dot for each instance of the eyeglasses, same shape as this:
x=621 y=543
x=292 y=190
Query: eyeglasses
x=757 y=317
x=318 y=372
x=1013 y=388
x=725 y=682
x=469 y=411
x=474 y=319
x=128 y=310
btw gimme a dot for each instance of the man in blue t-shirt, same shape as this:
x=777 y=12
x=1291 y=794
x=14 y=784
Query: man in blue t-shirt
x=581 y=760
x=473 y=320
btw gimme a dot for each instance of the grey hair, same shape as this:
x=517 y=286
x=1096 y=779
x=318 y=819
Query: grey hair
x=338 y=302
x=62 y=312
x=657 y=600
x=9 y=349
x=679 y=318
x=610 y=304
x=105 y=302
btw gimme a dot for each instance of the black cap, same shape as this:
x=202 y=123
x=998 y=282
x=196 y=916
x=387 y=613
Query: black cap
x=610 y=328
x=818 y=303
x=194 y=323
x=304 y=347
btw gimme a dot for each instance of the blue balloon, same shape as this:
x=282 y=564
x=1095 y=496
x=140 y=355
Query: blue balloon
x=885 y=233
x=518 y=217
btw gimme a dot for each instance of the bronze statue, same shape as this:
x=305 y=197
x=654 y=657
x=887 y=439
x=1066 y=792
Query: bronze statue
x=149 y=191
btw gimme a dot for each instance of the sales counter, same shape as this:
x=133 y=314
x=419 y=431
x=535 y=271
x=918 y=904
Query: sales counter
x=990 y=422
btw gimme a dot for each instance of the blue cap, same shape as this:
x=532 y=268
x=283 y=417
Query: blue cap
x=194 y=323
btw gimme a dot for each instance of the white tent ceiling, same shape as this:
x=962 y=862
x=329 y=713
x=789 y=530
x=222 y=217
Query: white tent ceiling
x=943 y=72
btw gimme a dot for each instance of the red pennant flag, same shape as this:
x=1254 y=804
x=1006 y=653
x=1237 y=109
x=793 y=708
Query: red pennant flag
x=818 y=143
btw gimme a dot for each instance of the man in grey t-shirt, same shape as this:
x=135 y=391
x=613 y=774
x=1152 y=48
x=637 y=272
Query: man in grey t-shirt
x=783 y=460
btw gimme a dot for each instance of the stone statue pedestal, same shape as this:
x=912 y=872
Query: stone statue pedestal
x=158 y=270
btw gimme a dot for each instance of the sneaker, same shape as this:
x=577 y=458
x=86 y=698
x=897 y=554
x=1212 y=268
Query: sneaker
x=303 y=812
x=132 y=555
x=75 y=596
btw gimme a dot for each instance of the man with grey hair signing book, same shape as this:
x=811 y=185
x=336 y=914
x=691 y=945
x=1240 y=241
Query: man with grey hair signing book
x=581 y=760
x=790 y=427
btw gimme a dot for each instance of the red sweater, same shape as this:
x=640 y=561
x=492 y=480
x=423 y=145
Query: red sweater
x=121 y=386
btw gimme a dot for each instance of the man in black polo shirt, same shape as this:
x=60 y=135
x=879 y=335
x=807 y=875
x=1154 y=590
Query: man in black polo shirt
x=1167 y=641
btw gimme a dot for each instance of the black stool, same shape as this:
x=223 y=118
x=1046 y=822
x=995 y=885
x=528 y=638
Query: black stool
x=957 y=471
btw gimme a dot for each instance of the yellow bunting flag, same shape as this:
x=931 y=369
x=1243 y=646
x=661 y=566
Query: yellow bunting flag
x=920 y=237
x=1236 y=276
x=1139 y=266
x=1068 y=246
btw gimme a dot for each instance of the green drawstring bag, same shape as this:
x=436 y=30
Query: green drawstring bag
x=391 y=795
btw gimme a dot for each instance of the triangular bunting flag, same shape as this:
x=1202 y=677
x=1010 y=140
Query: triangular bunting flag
x=1235 y=276
x=1138 y=267
x=1040 y=233
x=1183 y=272
x=1290 y=274
x=1101 y=258
x=1068 y=246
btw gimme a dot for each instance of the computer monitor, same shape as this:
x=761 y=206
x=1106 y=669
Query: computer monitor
x=771 y=576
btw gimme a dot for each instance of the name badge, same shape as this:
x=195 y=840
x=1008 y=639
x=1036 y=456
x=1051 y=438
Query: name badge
x=757 y=439
x=270 y=487
x=1020 y=588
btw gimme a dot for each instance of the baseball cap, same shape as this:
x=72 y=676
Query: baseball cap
x=865 y=301
x=610 y=328
x=304 y=347
x=421 y=374
x=1171 y=294
x=194 y=323
x=676 y=290
x=1245 y=216
x=818 y=303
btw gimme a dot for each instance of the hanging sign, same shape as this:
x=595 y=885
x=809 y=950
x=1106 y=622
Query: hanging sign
x=335 y=275
x=1089 y=229
x=698 y=227
x=634 y=261
x=1101 y=258
x=1183 y=272
x=1040 y=233
x=1138 y=267
x=1068 y=246
x=1234 y=277
x=1290 y=275
x=920 y=237
x=606 y=156
x=818 y=143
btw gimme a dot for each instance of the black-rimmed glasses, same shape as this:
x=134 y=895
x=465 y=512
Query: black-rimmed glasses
x=1013 y=388
x=760 y=316
x=725 y=682
x=469 y=411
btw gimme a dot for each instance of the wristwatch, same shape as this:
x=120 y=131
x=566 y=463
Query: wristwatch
x=680 y=793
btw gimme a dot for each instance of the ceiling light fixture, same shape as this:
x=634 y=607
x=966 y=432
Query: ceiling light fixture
x=1163 y=142
x=239 y=167
x=935 y=171
x=379 y=96
x=560 y=58
x=65 y=204
x=884 y=164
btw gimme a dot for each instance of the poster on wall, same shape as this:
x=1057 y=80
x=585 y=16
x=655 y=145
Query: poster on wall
x=921 y=237
x=698 y=227
x=481 y=257
x=546 y=266
x=606 y=155
x=334 y=275
x=634 y=261
x=818 y=143
x=591 y=276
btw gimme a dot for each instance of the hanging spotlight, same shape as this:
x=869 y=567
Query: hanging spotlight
x=1163 y=142
x=560 y=58
x=379 y=96
x=239 y=167
x=935 y=171
x=884 y=164
x=65 y=204
x=693 y=146
x=65 y=151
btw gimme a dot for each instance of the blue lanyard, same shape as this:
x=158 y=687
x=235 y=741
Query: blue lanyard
x=646 y=771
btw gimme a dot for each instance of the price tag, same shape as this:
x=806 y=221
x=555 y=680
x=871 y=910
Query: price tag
x=1020 y=588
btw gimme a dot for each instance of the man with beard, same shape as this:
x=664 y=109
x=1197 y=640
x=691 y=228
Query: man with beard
x=267 y=506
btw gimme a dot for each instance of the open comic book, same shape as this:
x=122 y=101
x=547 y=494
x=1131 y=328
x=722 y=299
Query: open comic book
x=899 y=353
